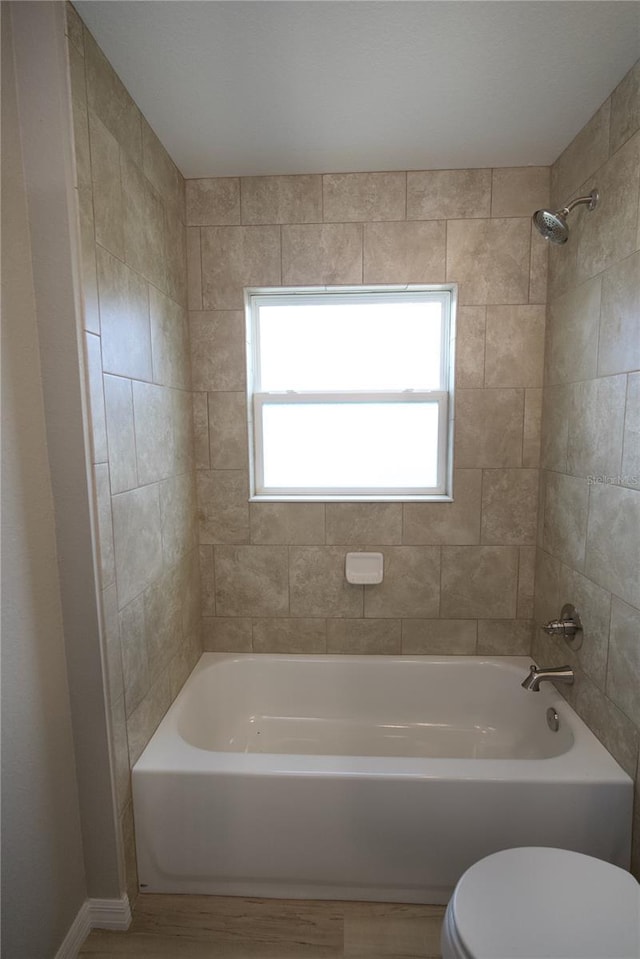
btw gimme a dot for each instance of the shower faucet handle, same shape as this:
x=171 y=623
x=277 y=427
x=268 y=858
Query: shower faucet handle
x=568 y=625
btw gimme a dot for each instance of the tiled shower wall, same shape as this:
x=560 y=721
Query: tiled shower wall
x=589 y=534
x=458 y=577
x=131 y=202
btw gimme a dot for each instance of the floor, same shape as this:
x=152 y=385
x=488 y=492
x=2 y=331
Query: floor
x=215 y=927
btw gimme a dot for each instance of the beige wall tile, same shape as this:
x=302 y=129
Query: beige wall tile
x=448 y=194
x=289 y=636
x=623 y=670
x=80 y=118
x=194 y=269
x=227 y=635
x=73 y=27
x=514 y=346
x=404 y=252
x=318 y=585
x=218 y=350
x=135 y=662
x=228 y=431
x=532 y=428
x=88 y=268
x=596 y=425
x=223 y=507
x=489 y=259
x=526 y=582
x=109 y=100
x=124 y=319
x=479 y=582
x=213 y=202
x=552 y=589
x=182 y=419
x=207 y=580
x=619 y=341
x=178 y=517
x=120 y=748
x=585 y=154
x=471 y=324
x=504 y=637
x=155 y=438
x=364 y=636
x=162 y=172
x=489 y=426
x=143 y=224
x=201 y=430
x=287 y=524
x=110 y=630
x=609 y=233
x=447 y=523
x=105 y=525
x=363 y=196
x=137 y=541
x=163 y=621
x=364 y=524
x=169 y=341
x=613 y=541
x=509 y=507
x=251 y=580
x=519 y=191
x=142 y=723
x=281 y=199
x=439 y=637
x=234 y=257
x=325 y=254
x=411 y=585
x=565 y=518
x=120 y=432
x=556 y=406
x=572 y=337
x=625 y=108
x=631 y=448
x=107 y=189
x=96 y=399
x=538 y=268
x=563 y=265
x=175 y=257
x=594 y=607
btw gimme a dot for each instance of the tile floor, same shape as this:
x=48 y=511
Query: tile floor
x=215 y=927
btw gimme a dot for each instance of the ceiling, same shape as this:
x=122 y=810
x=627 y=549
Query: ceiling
x=254 y=87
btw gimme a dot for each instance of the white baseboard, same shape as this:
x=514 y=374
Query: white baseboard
x=94 y=914
x=80 y=929
x=110 y=913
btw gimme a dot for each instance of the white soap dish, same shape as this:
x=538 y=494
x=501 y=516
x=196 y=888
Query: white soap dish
x=364 y=568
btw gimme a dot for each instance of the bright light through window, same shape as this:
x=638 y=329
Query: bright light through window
x=350 y=393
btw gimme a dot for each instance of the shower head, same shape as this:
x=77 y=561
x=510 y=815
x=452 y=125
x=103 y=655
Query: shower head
x=553 y=226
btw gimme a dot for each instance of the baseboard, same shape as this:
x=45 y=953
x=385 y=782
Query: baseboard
x=94 y=914
x=80 y=929
x=110 y=913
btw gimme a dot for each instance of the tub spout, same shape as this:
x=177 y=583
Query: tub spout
x=559 y=674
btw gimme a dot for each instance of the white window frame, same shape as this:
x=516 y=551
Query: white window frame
x=256 y=398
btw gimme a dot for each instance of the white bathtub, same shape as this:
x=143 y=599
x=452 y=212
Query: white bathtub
x=365 y=777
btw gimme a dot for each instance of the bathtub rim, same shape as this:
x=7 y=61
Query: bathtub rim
x=587 y=760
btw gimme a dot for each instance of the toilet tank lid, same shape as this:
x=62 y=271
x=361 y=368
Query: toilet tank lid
x=541 y=902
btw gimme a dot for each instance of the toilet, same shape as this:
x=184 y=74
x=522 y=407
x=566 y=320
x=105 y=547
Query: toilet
x=536 y=902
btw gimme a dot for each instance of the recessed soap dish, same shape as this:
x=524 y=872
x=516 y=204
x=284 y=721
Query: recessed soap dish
x=364 y=568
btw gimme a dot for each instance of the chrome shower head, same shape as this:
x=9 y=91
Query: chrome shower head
x=553 y=225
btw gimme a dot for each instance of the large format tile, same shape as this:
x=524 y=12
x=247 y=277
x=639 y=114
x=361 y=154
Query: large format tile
x=214 y=201
x=585 y=154
x=509 y=507
x=625 y=108
x=631 y=447
x=318 y=583
x=108 y=207
x=321 y=255
x=490 y=260
x=281 y=199
x=154 y=432
x=439 y=637
x=411 y=585
x=364 y=636
x=289 y=636
x=623 y=669
x=251 y=580
x=169 y=341
x=124 y=319
x=456 y=523
x=489 y=428
x=572 y=336
x=479 y=582
x=287 y=524
x=448 y=194
x=234 y=257
x=518 y=191
x=514 y=346
x=363 y=524
x=162 y=172
x=403 y=252
x=218 y=350
x=143 y=225
x=110 y=101
x=223 y=509
x=596 y=426
x=619 y=340
x=471 y=323
x=613 y=541
x=566 y=504
x=120 y=432
x=228 y=431
x=363 y=196
x=137 y=541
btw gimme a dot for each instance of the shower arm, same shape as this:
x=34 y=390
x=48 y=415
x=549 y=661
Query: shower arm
x=591 y=199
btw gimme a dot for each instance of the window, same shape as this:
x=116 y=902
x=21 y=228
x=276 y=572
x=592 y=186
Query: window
x=350 y=392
